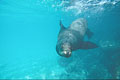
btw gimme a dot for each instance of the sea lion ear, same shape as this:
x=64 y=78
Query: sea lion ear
x=61 y=25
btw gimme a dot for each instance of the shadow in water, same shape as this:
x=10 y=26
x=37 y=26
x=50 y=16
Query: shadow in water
x=100 y=63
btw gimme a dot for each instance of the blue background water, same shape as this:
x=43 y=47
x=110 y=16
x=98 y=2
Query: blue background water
x=28 y=36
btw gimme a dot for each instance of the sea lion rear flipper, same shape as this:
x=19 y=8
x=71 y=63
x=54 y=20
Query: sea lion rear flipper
x=89 y=33
x=88 y=45
x=61 y=25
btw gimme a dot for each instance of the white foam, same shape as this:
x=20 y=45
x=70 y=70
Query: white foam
x=82 y=6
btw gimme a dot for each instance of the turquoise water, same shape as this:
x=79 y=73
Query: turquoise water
x=28 y=36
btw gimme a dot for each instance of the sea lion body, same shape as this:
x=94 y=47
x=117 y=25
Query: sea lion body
x=72 y=38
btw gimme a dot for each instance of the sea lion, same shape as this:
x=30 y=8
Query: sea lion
x=72 y=38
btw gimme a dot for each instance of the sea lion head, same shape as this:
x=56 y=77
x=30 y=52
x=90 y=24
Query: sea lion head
x=64 y=50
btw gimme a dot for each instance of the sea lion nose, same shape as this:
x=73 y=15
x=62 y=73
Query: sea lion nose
x=67 y=53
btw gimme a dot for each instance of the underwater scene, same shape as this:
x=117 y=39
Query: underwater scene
x=29 y=33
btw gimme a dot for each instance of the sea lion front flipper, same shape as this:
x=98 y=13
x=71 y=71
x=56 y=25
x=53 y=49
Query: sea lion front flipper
x=88 y=45
x=89 y=33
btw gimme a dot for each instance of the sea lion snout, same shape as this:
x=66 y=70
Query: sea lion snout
x=64 y=50
x=67 y=53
